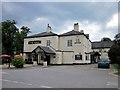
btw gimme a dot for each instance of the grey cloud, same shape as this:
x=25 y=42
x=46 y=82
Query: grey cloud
x=58 y=13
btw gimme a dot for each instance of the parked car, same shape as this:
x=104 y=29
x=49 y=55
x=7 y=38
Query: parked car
x=103 y=63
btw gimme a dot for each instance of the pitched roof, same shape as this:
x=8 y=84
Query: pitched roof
x=95 y=53
x=48 y=50
x=102 y=44
x=43 y=34
x=45 y=49
x=73 y=32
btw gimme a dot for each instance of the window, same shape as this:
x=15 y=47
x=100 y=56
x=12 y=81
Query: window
x=78 y=57
x=48 y=42
x=77 y=41
x=34 y=42
x=87 y=56
x=69 y=43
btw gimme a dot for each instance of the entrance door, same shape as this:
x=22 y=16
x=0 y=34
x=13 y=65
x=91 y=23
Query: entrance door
x=48 y=59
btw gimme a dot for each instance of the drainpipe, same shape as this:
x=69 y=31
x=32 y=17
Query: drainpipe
x=62 y=57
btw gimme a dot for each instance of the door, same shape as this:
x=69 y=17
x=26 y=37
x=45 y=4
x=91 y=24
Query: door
x=48 y=59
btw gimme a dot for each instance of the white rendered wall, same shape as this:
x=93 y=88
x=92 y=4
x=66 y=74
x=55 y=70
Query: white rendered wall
x=68 y=58
x=31 y=47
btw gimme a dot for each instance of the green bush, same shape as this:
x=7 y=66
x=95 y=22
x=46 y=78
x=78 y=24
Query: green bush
x=18 y=62
x=114 y=54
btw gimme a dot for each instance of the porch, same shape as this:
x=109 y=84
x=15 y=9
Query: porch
x=39 y=55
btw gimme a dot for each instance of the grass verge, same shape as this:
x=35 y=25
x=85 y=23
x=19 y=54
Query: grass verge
x=117 y=66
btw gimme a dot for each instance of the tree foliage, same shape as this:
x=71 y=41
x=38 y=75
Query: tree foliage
x=117 y=36
x=12 y=37
x=8 y=36
x=114 y=53
x=105 y=39
x=24 y=31
x=117 y=39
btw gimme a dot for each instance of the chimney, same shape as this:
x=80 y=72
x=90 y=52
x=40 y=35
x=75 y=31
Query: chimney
x=81 y=31
x=49 y=28
x=87 y=36
x=76 y=27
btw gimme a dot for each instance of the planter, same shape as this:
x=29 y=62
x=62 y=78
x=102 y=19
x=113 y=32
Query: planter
x=34 y=63
x=45 y=64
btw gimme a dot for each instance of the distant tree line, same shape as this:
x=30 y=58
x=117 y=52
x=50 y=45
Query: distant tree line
x=13 y=37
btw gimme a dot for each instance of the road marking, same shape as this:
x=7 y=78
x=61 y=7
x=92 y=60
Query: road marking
x=45 y=86
x=22 y=82
x=29 y=84
x=112 y=83
x=42 y=86
x=3 y=73
x=6 y=80
x=15 y=81
x=103 y=69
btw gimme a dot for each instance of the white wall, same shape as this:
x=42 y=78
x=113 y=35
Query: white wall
x=68 y=58
x=60 y=43
x=58 y=58
x=103 y=52
x=31 y=47
x=84 y=46
x=75 y=47
x=52 y=59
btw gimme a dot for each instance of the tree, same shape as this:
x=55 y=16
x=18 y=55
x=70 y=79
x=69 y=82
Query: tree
x=8 y=36
x=114 y=52
x=20 y=36
x=12 y=38
x=25 y=31
x=117 y=38
x=106 y=39
x=0 y=38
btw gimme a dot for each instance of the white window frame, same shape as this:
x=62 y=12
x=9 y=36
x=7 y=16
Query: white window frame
x=48 y=42
x=69 y=43
x=86 y=56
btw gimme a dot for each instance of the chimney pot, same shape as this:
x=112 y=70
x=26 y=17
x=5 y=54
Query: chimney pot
x=49 y=28
x=81 y=31
x=76 y=26
x=87 y=35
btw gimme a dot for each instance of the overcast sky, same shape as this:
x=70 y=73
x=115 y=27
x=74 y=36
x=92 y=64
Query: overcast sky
x=99 y=19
